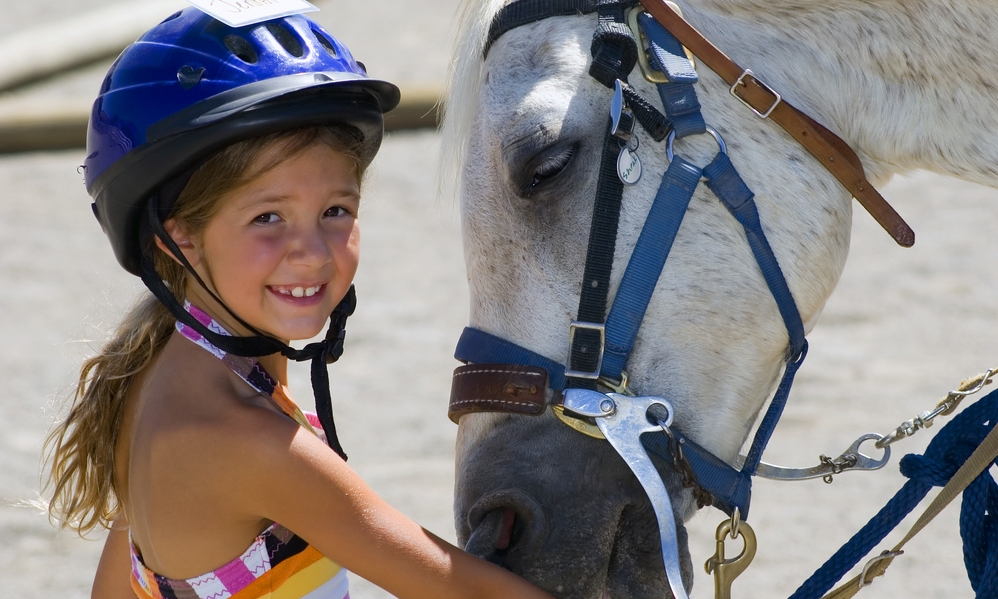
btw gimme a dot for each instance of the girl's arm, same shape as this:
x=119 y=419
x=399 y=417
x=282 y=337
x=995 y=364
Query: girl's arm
x=113 y=578
x=311 y=491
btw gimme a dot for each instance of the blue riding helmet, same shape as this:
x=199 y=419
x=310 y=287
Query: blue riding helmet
x=192 y=85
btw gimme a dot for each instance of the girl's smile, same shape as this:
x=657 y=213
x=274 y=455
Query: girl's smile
x=298 y=291
x=283 y=249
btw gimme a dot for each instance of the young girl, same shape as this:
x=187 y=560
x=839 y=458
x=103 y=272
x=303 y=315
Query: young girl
x=225 y=166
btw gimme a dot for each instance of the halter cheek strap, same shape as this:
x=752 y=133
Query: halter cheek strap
x=319 y=353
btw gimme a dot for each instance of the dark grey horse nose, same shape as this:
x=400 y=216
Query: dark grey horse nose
x=505 y=522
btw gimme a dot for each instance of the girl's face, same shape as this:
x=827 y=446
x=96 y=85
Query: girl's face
x=283 y=249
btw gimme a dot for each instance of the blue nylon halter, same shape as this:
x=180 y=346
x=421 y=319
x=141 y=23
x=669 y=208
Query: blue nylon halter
x=729 y=487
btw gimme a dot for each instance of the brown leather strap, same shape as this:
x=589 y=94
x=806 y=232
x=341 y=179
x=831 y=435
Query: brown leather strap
x=833 y=153
x=506 y=388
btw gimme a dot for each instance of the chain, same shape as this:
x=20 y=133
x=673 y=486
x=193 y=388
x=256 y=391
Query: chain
x=838 y=465
x=682 y=466
x=945 y=407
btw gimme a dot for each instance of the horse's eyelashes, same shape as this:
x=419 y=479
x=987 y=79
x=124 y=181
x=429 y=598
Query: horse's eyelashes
x=551 y=167
x=547 y=165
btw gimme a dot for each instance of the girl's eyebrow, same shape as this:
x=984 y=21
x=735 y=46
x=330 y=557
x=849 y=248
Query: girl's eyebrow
x=267 y=198
x=260 y=199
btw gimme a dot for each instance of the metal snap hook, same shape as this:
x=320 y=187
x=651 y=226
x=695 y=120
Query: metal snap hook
x=672 y=139
x=726 y=570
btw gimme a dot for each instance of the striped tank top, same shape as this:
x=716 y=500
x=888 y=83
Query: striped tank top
x=279 y=564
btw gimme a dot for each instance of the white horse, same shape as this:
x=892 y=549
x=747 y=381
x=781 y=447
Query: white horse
x=909 y=85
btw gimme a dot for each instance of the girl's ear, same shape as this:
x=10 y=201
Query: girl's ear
x=183 y=241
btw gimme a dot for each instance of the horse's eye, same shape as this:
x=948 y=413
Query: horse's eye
x=548 y=164
x=552 y=165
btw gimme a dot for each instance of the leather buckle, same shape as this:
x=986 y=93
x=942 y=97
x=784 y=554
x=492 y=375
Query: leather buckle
x=741 y=81
x=586 y=326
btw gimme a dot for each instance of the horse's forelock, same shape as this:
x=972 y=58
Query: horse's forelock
x=464 y=78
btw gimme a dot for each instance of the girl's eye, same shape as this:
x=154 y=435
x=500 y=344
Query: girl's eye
x=266 y=218
x=336 y=211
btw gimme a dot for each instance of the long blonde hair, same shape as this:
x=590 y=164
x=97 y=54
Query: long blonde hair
x=80 y=451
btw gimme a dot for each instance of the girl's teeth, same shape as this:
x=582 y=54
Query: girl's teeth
x=303 y=291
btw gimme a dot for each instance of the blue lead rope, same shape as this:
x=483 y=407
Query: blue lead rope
x=942 y=458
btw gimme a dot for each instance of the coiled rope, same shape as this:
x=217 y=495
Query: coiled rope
x=945 y=455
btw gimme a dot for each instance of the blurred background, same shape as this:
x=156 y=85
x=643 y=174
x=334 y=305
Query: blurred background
x=903 y=327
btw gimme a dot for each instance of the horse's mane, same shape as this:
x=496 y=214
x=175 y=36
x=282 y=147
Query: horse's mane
x=464 y=78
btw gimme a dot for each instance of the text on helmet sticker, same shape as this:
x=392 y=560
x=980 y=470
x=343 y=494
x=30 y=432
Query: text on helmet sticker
x=239 y=13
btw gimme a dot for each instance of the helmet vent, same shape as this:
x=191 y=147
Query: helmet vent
x=188 y=76
x=325 y=43
x=171 y=17
x=286 y=39
x=241 y=49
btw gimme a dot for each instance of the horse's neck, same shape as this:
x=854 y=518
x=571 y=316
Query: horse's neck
x=909 y=85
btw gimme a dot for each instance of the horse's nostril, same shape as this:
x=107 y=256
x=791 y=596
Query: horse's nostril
x=486 y=537
x=503 y=522
x=506 y=532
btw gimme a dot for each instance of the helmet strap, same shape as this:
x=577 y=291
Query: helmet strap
x=320 y=353
x=160 y=231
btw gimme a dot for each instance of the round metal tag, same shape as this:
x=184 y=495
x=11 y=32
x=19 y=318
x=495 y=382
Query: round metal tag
x=628 y=167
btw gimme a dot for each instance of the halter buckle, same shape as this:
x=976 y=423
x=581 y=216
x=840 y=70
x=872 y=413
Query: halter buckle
x=741 y=81
x=586 y=326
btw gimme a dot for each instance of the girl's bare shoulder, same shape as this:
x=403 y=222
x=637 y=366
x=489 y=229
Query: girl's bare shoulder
x=199 y=419
x=201 y=429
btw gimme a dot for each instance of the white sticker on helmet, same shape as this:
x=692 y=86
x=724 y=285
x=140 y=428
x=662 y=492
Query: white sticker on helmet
x=239 y=13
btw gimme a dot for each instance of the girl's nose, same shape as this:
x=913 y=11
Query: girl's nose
x=312 y=247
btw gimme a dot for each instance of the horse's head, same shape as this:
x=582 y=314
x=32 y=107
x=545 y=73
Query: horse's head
x=527 y=125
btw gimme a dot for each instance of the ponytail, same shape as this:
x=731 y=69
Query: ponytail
x=81 y=449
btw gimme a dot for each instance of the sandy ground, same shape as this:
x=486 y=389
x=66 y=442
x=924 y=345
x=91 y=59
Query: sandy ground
x=903 y=327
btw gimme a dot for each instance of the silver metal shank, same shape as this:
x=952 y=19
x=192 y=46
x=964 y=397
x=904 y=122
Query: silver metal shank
x=623 y=427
